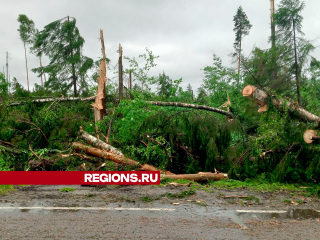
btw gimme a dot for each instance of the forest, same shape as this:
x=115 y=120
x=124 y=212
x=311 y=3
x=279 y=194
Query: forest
x=258 y=118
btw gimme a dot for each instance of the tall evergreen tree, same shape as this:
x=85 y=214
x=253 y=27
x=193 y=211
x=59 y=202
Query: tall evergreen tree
x=62 y=43
x=242 y=27
x=26 y=31
x=288 y=21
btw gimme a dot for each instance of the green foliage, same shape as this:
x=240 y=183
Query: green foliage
x=141 y=73
x=183 y=194
x=26 y=29
x=242 y=26
x=62 y=43
x=67 y=189
x=4 y=85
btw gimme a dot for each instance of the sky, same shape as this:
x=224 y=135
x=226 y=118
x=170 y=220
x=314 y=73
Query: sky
x=184 y=33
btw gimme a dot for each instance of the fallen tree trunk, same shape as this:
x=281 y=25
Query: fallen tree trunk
x=199 y=177
x=189 y=105
x=261 y=97
x=115 y=158
x=46 y=100
x=98 y=143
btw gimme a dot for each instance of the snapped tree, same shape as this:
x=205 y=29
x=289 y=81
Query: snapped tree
x=62 y=43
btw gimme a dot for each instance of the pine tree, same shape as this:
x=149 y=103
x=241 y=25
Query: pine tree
x=26 y=30
x=62 y=43
x=242 y=27
x=288 y=21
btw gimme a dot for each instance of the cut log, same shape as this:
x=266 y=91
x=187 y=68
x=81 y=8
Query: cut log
x=46 y=100
x=98 y=143
x=115 y=158
x=200 y=177
x=189 y=105
x=310 y=136
x=261 y=97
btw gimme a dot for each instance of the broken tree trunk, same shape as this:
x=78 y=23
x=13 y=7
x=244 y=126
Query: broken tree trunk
x=100 y=100
x=188 y=105
x=98 y=143
x=199 y=177
x=120 y=74
x=46 y=100
x=261 y=97
x=114 y=157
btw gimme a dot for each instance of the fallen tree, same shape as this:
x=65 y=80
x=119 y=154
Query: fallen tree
x=199 y=177
x=189 y=105
x=98 y=143
x=115 y=158
x=46 y=100
x=261 y=98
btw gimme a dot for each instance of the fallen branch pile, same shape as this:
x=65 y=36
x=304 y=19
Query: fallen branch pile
x=108 y=152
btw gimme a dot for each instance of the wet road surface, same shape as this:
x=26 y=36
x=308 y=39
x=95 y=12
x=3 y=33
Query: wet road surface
x=40 y=213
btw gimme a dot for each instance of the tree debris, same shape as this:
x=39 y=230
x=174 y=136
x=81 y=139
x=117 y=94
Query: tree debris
x=189 y=105
x=115 y=158
x=98 y=143
x=261 y=98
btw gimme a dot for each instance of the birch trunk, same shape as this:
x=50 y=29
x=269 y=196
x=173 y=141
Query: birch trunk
x=114 y=157
x=98 y=143
x=188 y=105
x=46 y=100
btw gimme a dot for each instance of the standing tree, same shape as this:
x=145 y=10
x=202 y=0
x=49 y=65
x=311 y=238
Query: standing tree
x=288 y=22
x=26 y=30
x=141 y=73
x=242 y=27
x=62 y=43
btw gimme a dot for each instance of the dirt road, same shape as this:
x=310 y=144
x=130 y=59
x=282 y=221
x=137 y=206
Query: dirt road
x=152 y=212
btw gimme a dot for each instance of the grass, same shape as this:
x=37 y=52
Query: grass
x=67 y=189
x=183 y=194
x=259 y=185
x=146 y=199
x=4 y=189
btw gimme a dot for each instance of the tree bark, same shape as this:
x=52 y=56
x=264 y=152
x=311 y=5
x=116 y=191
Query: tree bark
x=130 y=81
x=296 y=62
x=273 y=27
x=41 y=71
x=120 y=74
x=188 y=105
x=45 y=100
x=100 y=101
x=74 y=77
x=261 y=97
x=114 y=157
x=25 y=54
x=98 y=143
x=239 y=62
x=200 y=177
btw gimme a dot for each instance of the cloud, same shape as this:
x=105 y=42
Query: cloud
x=184 y=33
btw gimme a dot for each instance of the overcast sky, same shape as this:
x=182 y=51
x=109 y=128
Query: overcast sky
x=183 y=33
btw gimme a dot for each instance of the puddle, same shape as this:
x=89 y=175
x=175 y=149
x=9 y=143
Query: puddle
x=296 y=214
